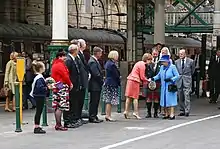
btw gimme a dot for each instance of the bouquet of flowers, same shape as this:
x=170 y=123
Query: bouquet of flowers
x=50 y=82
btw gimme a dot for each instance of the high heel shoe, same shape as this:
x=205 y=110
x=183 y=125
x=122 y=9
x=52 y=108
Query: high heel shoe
x=109 y=120
x=8 y=110
x=126 y=115
x=172 y=118
x=166 y=117
x=137 y=116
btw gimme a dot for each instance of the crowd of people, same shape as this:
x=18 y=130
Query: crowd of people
x=165 y=82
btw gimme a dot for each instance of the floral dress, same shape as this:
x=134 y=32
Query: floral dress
x=60 y=96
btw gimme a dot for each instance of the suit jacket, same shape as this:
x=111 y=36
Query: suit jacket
x=84 y=70
x=185 y=78
x=96 y=81
x=74 y=72
x=214 y=68
x=112 y=74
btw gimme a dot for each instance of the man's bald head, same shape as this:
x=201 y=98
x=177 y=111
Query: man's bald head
x=182 y=53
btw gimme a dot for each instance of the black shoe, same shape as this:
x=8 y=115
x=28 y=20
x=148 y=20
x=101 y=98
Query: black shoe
x=156 y=115
x=187 y=114
x=79 y=122
x=181 y=114
x=71 y=125
x=148 y=115
x=166 y=117
x=84 y=122
x=39 y=130
x=95 y=120
x=25 y=108
x=172 y=118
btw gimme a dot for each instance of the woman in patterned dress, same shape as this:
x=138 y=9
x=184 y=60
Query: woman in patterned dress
x=61 y=87
x=111 y=84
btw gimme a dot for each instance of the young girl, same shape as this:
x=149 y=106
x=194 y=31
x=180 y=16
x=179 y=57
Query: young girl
x=39 y=90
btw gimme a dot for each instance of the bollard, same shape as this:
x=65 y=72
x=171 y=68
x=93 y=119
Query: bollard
x=86 y=100
x=102 y=104
x=119 y=96
x=45 y=114
x=17 y=102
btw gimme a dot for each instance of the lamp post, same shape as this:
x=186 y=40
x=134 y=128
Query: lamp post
x=111 y=14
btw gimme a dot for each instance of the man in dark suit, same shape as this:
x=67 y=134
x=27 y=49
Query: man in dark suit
x=71 y=118
x=95 y=84
x=213 y=73
x=196 y=76
x=84 y=74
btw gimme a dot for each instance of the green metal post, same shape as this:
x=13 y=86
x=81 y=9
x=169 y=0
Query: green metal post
x=17 y=102
x=103 y=104
x=86 y=102
x=119 y=96
x=45 y=114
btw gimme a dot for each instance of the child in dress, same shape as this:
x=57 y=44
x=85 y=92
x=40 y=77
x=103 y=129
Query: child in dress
x=39 y=91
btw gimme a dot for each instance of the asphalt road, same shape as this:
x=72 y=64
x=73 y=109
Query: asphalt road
x=192 y=132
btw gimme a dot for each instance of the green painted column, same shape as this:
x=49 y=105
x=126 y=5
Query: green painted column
x=17 y=102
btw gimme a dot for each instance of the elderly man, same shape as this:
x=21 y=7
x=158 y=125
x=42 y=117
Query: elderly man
x=84 y=74
x=95 y=84
x=186 y=68
x=71 y=118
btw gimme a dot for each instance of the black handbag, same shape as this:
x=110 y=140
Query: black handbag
x=172 y=88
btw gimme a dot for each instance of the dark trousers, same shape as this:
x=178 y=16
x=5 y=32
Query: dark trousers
x=94 y=104
x=81 y=98
x=39 y=109
x=214 y=89
x=26 y=95
x=71 y=115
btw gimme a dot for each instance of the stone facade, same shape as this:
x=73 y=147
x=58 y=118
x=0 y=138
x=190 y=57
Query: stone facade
x=82 y=13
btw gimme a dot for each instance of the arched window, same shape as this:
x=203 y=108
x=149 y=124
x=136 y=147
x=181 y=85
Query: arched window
x=114 y=21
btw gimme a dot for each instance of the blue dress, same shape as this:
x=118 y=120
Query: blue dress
x=167 y=99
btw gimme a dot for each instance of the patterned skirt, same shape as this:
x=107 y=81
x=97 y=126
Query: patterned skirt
x=110 y=95
x=61 y=97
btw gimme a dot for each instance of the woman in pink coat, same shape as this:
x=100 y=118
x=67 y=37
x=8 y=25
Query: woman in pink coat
x=135 y=78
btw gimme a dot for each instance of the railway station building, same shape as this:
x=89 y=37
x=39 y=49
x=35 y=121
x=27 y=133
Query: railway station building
x=132 y=27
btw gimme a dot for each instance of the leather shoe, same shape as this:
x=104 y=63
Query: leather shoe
x=84 y=122
x=187 y=114
x=71 y=125
x=181 y=114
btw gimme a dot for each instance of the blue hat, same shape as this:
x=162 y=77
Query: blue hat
x=165 y=58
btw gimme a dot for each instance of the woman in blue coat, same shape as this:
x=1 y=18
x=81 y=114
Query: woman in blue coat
x=168 y=74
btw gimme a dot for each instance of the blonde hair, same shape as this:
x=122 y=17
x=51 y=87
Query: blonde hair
x=13 y=55
x=146 y=56
x=165 y=48
x=113 y=54
x=38 y=66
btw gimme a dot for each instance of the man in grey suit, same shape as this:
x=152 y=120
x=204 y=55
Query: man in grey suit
x=186 y=68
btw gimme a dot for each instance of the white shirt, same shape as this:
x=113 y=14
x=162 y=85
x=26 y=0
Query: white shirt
x=95 y=58
x=72 y=56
